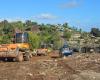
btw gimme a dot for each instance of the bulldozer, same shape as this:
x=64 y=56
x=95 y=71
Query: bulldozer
x=19 y=50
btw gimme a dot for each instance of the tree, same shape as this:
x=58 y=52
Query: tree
x=19 y=25
x=50 y=35
x=6 y=27
x=29 y=24
x=34 y=40
x=65 y=25
x=6 y=32
x=56 y=38
x=67 y=34
x=95 y=32
x=5 y=39
x=80 y=30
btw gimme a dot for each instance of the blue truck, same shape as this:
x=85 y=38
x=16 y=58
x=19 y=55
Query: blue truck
x=65 y=51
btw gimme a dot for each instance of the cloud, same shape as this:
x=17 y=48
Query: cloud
x=71 y=4
x=47 y=16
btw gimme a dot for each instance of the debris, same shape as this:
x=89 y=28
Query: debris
x=75 y=67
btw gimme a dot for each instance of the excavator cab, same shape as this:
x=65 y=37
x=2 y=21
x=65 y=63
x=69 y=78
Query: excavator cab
x=21 y=39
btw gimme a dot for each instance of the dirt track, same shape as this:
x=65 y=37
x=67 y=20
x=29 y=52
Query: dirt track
x=75 y=67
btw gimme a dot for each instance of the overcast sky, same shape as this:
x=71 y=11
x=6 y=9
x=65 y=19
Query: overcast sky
x=79 y=13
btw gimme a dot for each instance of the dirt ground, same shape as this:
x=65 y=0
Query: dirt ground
x=75 y=67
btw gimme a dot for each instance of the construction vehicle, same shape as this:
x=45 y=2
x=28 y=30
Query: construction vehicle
x=19 y=50
x=65 y=51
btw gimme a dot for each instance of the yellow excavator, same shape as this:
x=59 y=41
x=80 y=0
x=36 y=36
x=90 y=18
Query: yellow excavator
x=19 y=50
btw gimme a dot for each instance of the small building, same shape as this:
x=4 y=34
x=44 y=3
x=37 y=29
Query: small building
x=34 y=29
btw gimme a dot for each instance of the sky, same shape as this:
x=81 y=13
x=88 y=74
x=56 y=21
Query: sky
x=83 y=14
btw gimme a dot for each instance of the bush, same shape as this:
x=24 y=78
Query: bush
x=34 y=40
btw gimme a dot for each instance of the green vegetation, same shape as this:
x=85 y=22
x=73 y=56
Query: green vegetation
x=95 y=32
x=46 y=34
x=34 y=40
x=67 y=34
x=53 y=36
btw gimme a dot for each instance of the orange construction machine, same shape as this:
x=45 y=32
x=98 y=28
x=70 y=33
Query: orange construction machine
x=17 y=51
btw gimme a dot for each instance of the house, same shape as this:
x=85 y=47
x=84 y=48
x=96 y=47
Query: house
x=34 y=28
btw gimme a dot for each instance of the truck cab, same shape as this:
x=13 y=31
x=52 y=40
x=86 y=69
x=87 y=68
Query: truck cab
x=65 y=50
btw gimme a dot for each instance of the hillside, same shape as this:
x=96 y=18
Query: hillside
x=52 y=35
